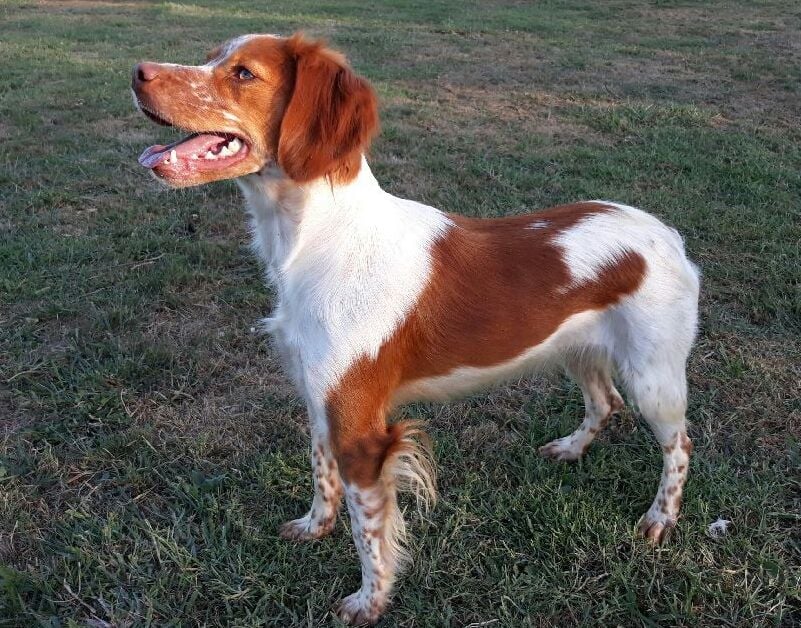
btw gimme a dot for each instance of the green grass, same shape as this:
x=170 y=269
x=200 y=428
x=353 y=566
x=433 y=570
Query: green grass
x=149 y=445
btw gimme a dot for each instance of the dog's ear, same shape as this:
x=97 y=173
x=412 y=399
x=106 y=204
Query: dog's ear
x=331 y=116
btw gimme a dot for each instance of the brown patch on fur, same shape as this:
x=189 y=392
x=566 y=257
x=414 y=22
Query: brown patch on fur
x=456 y=324
x=685 y=443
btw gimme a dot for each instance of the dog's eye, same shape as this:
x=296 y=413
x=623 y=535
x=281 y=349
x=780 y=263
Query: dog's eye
x=244 y=74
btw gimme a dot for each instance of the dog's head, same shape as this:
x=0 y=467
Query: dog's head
x=258 y=100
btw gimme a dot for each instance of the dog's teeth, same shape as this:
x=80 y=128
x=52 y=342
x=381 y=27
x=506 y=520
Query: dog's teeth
x=210 y=155
x=173 y=156
x=225 y=152
x=234 y=145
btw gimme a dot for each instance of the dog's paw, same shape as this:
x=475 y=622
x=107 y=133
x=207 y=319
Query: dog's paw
x=655 y=526
x=567 y=448
x=306 y=528
x=360 y=609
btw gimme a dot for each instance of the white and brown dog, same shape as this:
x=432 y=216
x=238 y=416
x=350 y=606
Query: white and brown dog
x=382 y=300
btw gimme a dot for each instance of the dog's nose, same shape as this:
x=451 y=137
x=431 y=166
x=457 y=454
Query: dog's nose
x=144 y=72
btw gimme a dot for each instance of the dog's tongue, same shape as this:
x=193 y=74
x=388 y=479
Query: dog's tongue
x=195 y=144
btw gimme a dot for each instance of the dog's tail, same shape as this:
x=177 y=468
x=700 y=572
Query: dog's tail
x=408 y=466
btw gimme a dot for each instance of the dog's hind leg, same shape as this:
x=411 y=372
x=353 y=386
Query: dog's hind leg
x=661 y=397
x=601 y=401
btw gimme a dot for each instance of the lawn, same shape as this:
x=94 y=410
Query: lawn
x=149 y=444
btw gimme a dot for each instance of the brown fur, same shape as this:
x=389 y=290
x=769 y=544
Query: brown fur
x=497 y=289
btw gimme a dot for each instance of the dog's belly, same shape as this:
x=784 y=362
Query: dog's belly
x=578 y=333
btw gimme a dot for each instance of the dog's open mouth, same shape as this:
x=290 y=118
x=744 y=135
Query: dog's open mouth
x=198 y=152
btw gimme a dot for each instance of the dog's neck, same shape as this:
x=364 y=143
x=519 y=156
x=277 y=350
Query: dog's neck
x=286 y=216
x=324 y=227
x=273 y=191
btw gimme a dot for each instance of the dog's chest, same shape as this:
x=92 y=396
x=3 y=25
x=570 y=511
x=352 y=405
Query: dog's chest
x=335 y=306
x=342 y=291
x=347 y=268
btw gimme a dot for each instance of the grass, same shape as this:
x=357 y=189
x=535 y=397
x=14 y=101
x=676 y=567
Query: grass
x=149 y=445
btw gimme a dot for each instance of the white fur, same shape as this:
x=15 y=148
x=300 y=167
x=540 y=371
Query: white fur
x=601 y=239
x=348 y=264
x=379 y=530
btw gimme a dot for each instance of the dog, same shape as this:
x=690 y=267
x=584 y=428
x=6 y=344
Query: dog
x=382 y=301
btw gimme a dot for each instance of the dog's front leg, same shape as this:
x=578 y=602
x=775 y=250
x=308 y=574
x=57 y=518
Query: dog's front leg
x=371 y=455
x=377 y=527
x=374 y=517
x=320 y=519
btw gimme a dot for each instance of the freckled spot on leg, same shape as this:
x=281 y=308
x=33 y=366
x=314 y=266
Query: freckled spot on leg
x=681 y=468
x=672 y=489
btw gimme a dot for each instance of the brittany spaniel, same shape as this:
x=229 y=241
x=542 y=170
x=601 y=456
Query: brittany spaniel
x=382 y=300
